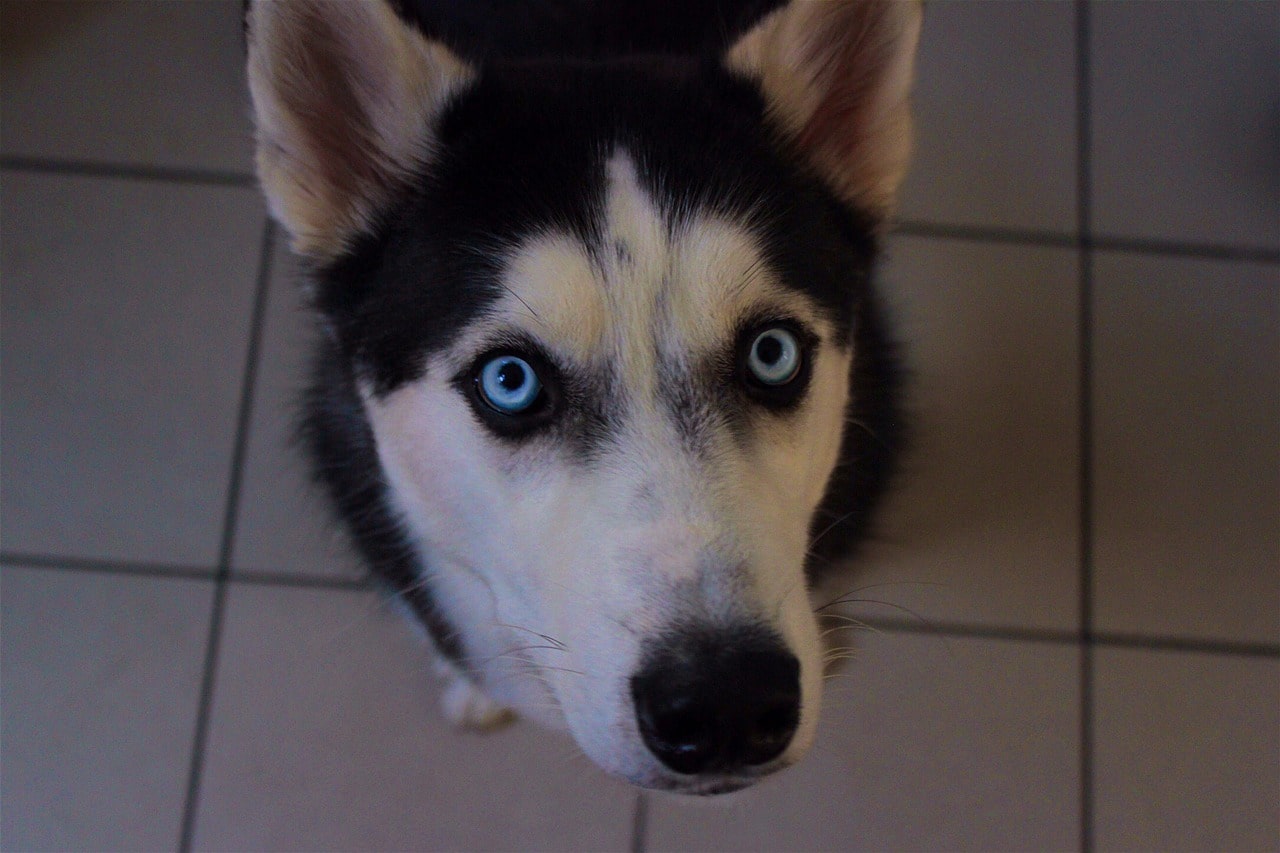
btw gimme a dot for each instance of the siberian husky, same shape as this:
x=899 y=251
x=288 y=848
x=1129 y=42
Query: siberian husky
x=603 y=384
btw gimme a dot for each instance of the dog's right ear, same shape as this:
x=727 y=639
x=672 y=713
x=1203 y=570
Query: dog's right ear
x=344 y=96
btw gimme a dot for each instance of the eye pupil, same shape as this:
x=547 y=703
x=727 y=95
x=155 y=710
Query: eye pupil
x=511 y=376
x=769 y=349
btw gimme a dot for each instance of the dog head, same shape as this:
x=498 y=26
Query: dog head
x=603 y=319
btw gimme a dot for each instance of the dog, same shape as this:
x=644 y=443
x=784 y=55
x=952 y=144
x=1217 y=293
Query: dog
x=603 y=386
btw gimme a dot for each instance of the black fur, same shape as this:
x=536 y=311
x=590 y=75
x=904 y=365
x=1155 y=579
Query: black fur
x=874 y=435
x=524 y=149
x=484 y=30
x=337 y=437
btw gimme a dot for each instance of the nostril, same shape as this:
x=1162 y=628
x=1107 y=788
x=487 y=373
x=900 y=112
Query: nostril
x=676 y=730
x=772 y=731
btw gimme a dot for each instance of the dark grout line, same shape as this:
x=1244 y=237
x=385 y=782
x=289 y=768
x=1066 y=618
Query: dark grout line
x=909 y=227
x=250 y=577
x=983 y=234
x=1096 y=639
x=299 y=581
x=101 y=566
x=1108 y=243
x=90 y=169
x=217 y=616
x=960 y=630
x=968 y=631
x=1200 y=251
x=1084 y=228
x=1146 y=642
x=640 y=823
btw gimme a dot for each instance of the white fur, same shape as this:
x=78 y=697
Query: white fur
x=556 y=571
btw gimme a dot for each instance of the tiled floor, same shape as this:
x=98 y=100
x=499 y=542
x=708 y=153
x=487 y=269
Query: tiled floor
x=1077 y=589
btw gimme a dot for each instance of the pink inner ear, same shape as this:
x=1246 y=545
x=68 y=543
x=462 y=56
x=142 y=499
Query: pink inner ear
x=326 y=98
x=852 y=55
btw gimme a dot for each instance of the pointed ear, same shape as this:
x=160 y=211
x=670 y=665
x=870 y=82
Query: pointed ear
x=836 y=76
x=344 y=96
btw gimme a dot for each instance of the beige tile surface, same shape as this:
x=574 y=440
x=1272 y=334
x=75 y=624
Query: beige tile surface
x=125 y=313
x=1188 y=751
x=983 y=525
x=1187 y=456
x=925 y=744
x=1184 y=121
x=325 y=735
x=285 y=524
x=100 y=682
x=124 y=323
x=995 y=117
x=139 y=83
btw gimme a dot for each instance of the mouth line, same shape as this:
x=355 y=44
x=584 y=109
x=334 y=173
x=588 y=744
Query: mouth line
x=709 y=786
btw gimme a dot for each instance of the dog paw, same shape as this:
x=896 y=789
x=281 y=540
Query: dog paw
x=467 y=707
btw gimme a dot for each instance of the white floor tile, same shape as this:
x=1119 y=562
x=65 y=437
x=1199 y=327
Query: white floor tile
x=325 y=736
x=138 y=83
x=126 y=312
x=1184 y=121
x=926 y=744
x=983 y=524
x=100 y=678
x=1186 y=456
x=285 y=523
x=995 y=117
x=124 y=319
x=1187 y=751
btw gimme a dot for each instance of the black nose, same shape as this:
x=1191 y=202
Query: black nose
x=717 y=701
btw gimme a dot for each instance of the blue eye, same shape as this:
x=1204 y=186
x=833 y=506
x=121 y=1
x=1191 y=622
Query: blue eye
x=508 y=384
x=774 y=357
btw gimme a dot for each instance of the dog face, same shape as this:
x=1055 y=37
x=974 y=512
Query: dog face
x=623 y=451
x=601 y=322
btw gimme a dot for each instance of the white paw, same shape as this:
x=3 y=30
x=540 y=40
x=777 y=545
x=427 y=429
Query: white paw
x=467 y=707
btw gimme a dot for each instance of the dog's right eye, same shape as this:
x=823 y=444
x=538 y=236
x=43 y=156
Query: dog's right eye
x=509 y=384
x=512 y=391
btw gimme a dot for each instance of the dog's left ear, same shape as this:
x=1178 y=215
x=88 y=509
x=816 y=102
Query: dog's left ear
x=836 y=76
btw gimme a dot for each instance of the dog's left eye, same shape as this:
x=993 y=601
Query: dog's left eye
x=508 y=384
x=774 y=357
x=773 y=362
